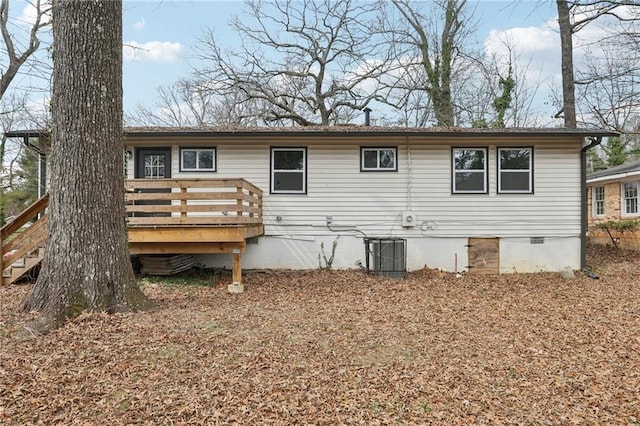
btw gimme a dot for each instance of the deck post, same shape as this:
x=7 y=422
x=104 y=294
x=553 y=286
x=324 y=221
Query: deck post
x=239 y=200
x=183 y=202
x=1 y=262
x=236 y=286
x=251 y=206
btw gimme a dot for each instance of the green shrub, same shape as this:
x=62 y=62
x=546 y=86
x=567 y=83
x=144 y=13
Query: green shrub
x=619 y=225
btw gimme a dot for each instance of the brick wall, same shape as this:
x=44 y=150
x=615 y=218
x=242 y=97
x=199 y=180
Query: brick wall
x=612 y=203
x=629 y=239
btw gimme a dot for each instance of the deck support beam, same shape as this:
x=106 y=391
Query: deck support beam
x=236 y=285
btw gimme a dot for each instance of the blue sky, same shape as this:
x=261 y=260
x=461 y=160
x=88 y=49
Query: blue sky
x=167 y=31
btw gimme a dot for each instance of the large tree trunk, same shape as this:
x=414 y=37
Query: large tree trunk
x=568 y=81
x=86 y=264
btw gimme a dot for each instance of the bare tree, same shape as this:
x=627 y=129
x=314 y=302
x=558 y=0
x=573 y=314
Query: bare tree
x=499 y=91
x=190 y=103
x=428 y=51
x=305 y=62
x=572 y=17
x=609 y=88
x=16 y=58
x=86 y=264
x=16 y=52
x=180 y=104
x=11 y=106
x=16 y=113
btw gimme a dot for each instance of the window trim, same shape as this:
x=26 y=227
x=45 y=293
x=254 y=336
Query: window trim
x=198 y=149
x=595 y=202
x=499 y=170
x=139 y=153
x=485 y=171
x=378 y=149
x=304 y=171
x=623 y=199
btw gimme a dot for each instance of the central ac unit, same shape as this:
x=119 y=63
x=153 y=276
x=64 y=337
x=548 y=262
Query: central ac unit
x=386 y=256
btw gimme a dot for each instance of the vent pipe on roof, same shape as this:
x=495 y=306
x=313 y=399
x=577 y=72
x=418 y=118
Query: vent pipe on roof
x=367 y=116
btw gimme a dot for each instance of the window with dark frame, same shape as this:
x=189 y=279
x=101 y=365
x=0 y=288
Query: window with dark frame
x=515 y=170
x=197 y=159
x=154 y=166
x=288 y=170
x=630 y=197
x=383 y=159
x=469 y=166
x=598 y=201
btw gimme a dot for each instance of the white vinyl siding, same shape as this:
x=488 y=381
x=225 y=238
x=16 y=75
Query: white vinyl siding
x=373 y=202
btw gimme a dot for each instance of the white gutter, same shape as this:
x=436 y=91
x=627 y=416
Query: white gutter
x=614 y=177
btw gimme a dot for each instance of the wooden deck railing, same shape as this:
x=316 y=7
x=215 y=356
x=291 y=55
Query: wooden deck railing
x=150 y=203
x=21 y=235
x=184 y=202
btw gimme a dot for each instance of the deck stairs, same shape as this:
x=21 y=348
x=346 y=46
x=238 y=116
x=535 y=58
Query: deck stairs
x=164 y=216
x=21 y=267
x=22 y=242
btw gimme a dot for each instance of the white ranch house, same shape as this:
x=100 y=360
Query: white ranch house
x=477 y=200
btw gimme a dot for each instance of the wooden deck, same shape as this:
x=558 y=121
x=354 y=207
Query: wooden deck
x=164 y=216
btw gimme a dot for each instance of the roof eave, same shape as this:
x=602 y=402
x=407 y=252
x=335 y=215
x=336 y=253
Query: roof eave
x=617 y=176
x=339 y=131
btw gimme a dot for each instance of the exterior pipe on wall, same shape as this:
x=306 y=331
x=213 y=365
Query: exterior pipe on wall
x=595 y=141
x=409 y=172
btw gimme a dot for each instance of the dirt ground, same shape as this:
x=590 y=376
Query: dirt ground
x=341 y=347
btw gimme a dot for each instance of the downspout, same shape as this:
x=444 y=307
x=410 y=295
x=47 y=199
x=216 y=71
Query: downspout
x=595 y=141
x=409 y=173
x=42 y=174
x=42 y=165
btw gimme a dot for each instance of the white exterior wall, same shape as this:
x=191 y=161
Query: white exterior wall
x=372 y=203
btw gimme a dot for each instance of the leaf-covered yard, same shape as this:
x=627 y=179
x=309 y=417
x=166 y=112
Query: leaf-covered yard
x=341 y=347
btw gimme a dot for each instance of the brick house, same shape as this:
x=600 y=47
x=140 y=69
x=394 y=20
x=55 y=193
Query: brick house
x=612 y=194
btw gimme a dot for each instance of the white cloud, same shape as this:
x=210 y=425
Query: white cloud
x=153 y=51
x=523 y=40
x=536 y=50
x=139 y=25
x=40 y=107
x=30 y=12
x=534 y=54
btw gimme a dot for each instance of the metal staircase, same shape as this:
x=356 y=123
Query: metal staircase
x=22 y=242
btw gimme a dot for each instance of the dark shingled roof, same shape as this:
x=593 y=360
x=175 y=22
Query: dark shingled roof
x=339 y=131
x=633 y=166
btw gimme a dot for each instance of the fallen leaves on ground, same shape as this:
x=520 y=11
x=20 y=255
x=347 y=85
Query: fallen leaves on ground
x=341 y=347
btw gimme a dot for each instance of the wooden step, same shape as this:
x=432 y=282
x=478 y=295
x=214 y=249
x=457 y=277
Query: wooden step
x=21 y=267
